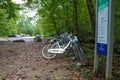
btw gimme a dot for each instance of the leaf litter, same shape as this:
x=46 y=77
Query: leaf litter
x=23 y=61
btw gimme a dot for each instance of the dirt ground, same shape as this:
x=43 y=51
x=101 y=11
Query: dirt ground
x=23 y=61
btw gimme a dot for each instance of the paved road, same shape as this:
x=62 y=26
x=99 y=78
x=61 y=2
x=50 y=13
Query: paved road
x=11 y=39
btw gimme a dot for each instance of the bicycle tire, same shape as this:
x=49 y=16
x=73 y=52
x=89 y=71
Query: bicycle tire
x=75 y=51
x=45 y=52
x=81 y=53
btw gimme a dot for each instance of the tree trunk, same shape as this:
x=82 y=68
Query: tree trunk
x=91 y=12
x=75 y=3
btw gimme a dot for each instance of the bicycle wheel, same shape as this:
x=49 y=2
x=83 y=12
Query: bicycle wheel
x=45 y=52
x=80 y=53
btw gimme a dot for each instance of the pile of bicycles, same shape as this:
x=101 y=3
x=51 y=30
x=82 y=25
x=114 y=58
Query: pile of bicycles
x=62 y=43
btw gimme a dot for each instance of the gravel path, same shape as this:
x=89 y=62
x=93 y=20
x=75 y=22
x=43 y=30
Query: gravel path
x=23 y=61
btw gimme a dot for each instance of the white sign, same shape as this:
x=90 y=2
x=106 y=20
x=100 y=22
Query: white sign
x=102 y=26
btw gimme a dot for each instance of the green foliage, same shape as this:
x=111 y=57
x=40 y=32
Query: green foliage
x=24 y=26
x=59 y=17
x=7 y=27
x=87 y=73
x=8 y=13
x=89 y=49
x=117 y=27
x=9 y=8
x=14 y=26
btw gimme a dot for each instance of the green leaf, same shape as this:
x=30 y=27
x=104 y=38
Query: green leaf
x=38 y=76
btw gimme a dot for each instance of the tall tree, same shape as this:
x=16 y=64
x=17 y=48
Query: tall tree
x=75 y=3
x=91 y=12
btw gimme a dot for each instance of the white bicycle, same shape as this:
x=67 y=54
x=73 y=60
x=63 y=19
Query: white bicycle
x=60 y=45
x=55 y=46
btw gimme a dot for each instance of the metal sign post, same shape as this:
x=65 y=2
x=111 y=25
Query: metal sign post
x=95 y=53
x=104 y=34
x=110 y=40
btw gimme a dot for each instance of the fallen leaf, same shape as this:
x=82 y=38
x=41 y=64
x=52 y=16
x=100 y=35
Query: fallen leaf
x=38 y=76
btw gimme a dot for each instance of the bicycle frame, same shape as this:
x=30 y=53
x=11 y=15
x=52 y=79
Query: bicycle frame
x=59 y=49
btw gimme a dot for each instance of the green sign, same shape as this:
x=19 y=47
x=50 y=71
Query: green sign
x=102 y=4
